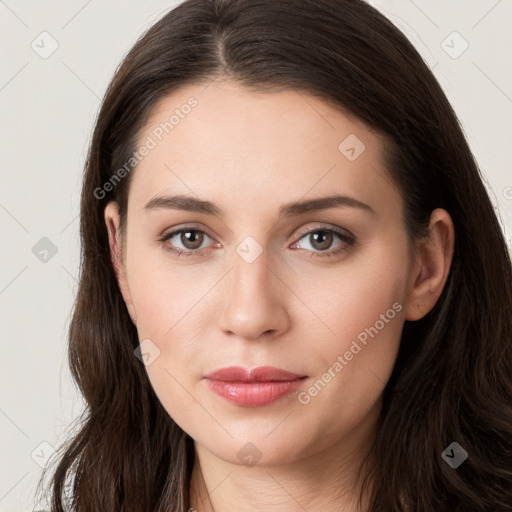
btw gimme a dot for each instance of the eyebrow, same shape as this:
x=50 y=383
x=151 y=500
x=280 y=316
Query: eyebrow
x=191 y=204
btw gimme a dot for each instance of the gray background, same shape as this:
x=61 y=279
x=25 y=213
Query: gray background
x=47 y=108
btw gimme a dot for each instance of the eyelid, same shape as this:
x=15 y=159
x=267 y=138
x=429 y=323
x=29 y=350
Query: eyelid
x=191 y=227
x=326 y=227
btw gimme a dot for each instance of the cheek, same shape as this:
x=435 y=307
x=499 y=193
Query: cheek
x=362 y=306
x=169 y=314
x=362 y=329
x=364 y=309
x=170 y=303
x=353 y=295
x=165 y=296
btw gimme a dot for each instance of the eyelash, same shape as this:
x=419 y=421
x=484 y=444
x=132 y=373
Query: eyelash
x=347 y=239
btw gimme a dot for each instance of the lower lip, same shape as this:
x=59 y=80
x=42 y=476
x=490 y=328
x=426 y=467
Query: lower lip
x=253 y=394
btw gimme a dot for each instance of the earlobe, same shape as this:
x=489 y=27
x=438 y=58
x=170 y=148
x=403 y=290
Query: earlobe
x=112 y=223
x=434 y=255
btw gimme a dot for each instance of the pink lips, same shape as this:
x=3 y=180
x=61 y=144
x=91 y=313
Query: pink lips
x=255 y=388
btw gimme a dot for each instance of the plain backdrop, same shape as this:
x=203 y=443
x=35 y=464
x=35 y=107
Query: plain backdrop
x=57 y=58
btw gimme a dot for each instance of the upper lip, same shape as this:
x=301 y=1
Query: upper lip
x=260 y=374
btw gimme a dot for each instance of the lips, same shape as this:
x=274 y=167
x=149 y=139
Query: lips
x=260 y=374
x=253 y=388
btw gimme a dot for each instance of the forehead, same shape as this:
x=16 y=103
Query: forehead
x=228 y=144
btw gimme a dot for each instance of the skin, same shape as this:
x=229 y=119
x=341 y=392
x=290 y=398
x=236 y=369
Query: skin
x=250 y=153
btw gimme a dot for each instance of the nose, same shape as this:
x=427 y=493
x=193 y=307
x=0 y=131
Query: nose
x=254 y=300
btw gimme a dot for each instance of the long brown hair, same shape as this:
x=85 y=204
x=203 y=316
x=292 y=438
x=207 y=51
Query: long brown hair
x=452 y=381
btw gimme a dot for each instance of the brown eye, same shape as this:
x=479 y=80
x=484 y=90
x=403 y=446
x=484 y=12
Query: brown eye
x=185 y=241
x=321 y=240
x=191 y=238
x=325 y=242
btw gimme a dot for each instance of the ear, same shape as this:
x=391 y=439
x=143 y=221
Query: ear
x=116 y=256
x=434 y=255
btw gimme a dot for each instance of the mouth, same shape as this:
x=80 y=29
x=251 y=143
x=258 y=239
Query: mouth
x=260 y=374
x=253 y=388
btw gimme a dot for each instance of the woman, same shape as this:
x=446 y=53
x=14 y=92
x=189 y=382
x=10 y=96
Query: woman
x=294 y=291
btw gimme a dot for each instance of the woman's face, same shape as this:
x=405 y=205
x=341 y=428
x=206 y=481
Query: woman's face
x=274 y=272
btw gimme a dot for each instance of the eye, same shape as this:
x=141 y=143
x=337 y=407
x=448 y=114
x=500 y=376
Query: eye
x=320 y=240
x=191 y=240
x=188 y=241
